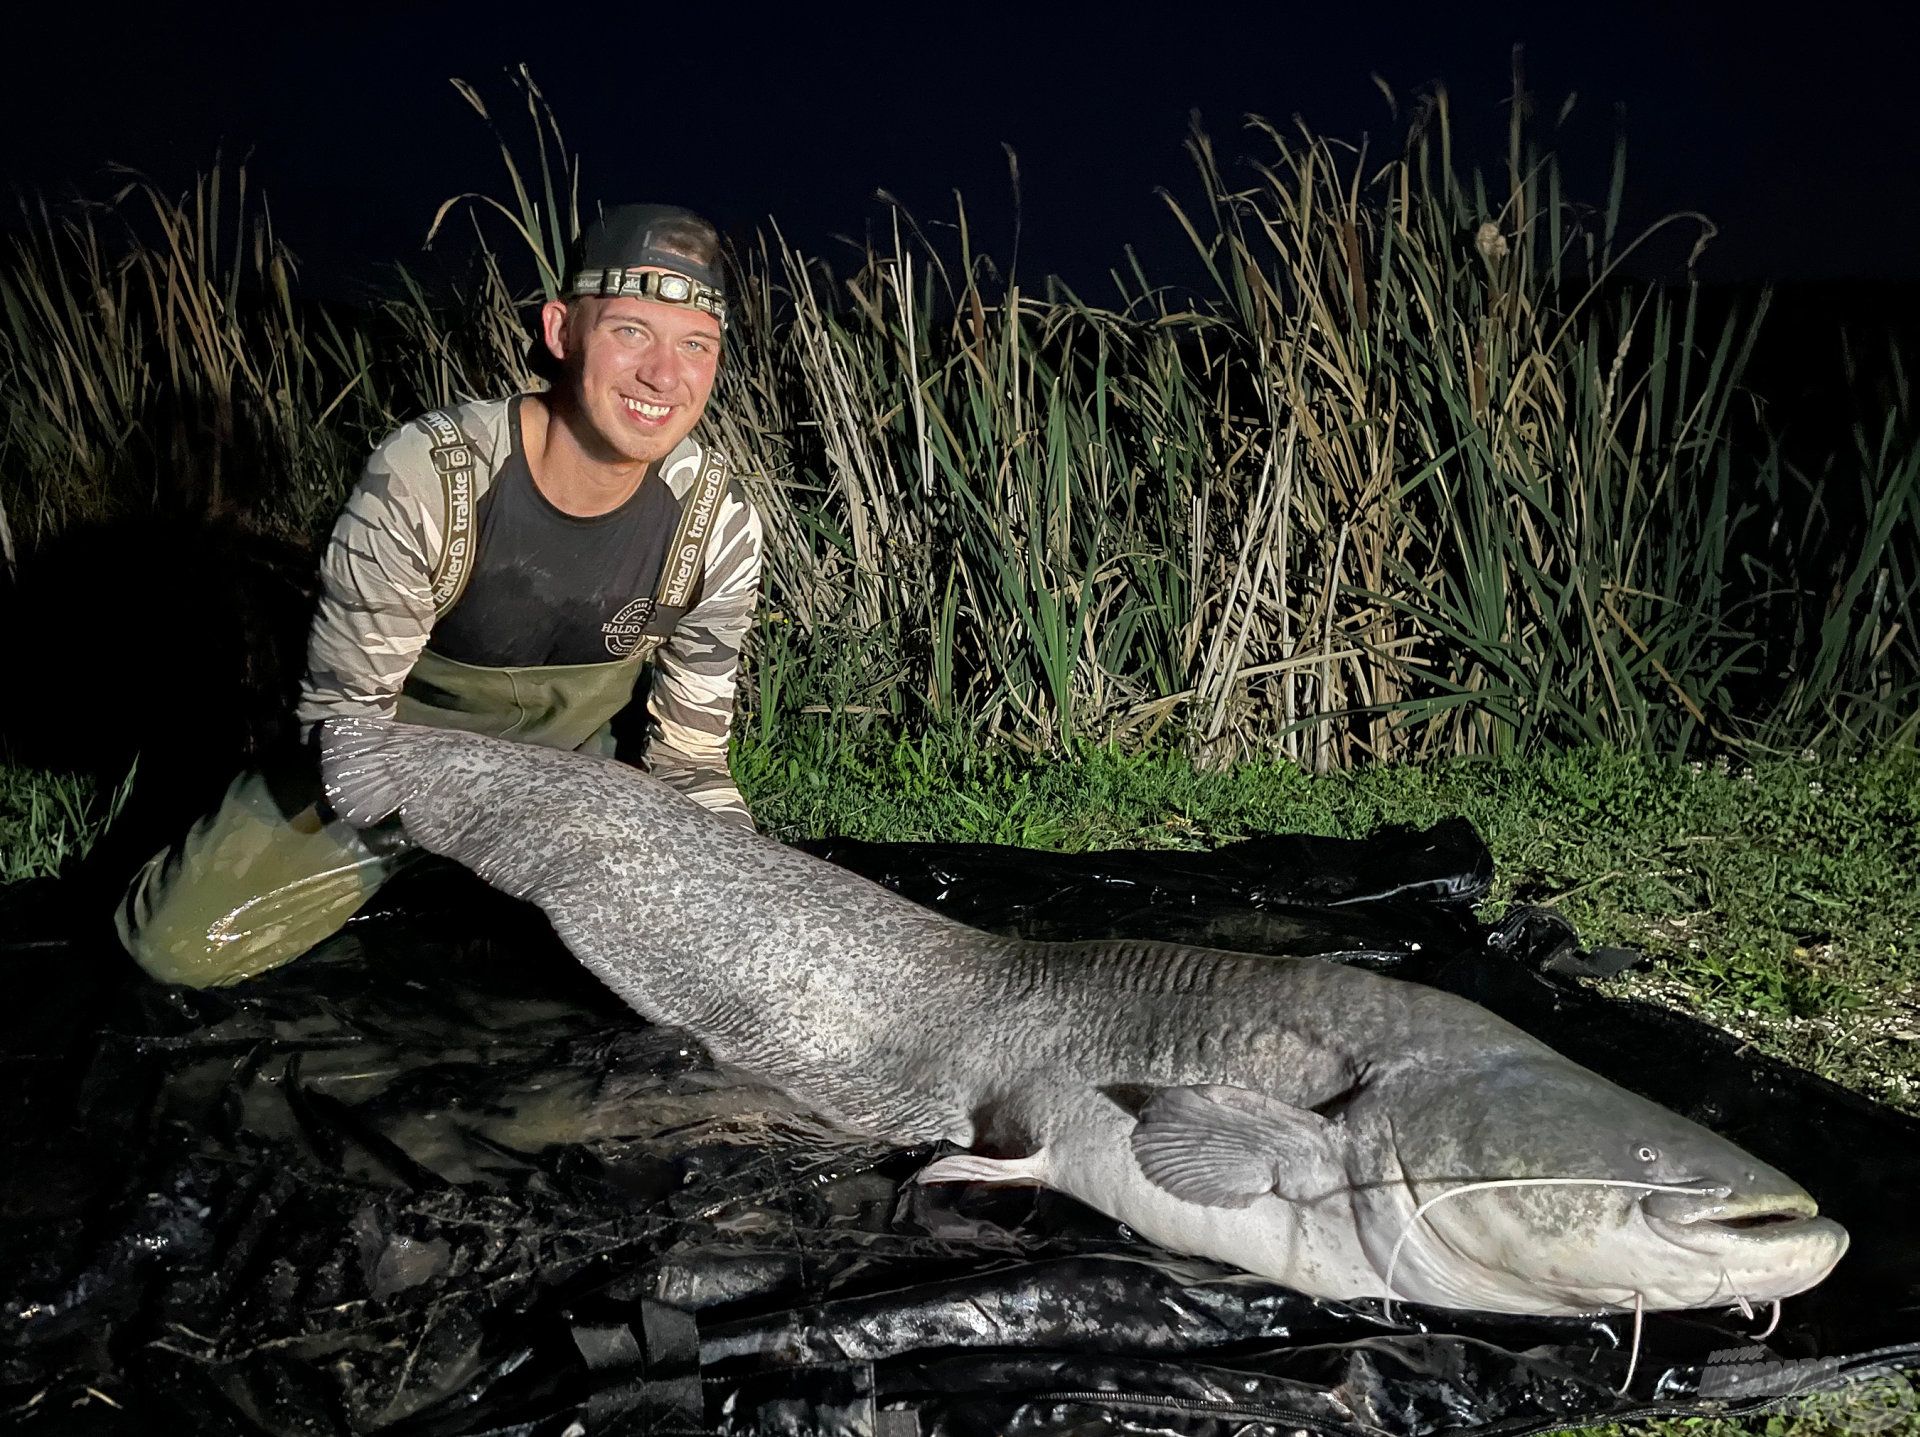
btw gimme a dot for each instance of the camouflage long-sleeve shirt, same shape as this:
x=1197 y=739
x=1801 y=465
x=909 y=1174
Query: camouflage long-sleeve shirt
x=377 y=607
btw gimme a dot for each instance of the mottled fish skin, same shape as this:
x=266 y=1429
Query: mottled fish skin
x=898 y=1022
x=731 y=935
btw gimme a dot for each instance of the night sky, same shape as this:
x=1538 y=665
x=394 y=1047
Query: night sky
x=1799 y=137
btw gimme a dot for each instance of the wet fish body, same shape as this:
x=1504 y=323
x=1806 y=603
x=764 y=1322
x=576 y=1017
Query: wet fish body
x=1300 y=1119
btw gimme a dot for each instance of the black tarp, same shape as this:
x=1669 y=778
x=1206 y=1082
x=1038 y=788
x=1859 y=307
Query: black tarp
x=432 y=1179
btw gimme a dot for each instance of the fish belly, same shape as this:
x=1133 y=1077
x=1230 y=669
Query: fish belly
x=1311 y=1246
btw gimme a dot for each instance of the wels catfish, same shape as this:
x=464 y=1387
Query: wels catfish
x=1347 y=1134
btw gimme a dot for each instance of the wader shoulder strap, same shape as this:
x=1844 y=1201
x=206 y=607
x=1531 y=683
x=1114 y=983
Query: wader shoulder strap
x=690 y=536
x=453 y=460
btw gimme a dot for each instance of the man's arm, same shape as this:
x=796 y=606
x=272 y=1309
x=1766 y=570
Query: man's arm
x=697 y=669
x=376 y=602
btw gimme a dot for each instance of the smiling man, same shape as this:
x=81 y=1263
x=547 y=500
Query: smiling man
x=508 y=567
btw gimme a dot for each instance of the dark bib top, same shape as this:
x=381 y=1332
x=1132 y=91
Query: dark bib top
x=550 y=588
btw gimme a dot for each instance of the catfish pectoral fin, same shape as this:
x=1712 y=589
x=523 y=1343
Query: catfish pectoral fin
x=1222 y=1146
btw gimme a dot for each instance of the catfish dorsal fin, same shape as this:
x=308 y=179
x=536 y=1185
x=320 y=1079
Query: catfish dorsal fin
x=1222 y=1146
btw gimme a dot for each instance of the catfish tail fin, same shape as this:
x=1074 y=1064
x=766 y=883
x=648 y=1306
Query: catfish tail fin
x=363 y=768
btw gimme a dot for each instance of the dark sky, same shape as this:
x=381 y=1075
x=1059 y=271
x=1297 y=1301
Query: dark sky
x=1798 y=136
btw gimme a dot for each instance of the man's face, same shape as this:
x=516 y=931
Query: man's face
x=641 y=370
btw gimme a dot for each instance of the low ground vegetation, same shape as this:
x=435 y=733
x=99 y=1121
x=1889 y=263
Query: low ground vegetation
x=49 y=821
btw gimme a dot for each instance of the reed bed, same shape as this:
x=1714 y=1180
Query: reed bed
x=1419 y=475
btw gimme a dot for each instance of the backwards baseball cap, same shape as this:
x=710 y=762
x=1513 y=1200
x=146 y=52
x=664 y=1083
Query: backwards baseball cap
x=650 y=252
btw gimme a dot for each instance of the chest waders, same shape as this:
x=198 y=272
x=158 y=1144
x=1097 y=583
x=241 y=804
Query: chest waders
x=271 y=872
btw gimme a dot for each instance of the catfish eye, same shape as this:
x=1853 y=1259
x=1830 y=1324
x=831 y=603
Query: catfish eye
x=1646 y=1154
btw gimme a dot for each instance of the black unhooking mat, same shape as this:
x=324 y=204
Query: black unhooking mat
x=431 y=1179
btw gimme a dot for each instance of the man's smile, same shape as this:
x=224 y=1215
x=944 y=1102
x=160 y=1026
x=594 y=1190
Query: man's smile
x=642 y=412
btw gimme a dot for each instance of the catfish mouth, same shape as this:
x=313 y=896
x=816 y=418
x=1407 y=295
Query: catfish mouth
x=1714 y=1218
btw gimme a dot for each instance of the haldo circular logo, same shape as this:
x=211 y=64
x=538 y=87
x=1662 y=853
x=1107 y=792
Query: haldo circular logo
x=627 y=630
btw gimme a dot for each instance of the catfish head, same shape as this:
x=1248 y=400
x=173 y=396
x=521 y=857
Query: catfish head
x=1593 y=1198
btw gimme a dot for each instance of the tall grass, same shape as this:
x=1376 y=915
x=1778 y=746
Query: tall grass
x=154 y=358
x=1521 y=493
x=1850 y=660
x=1421 y=475
x=1427 y=477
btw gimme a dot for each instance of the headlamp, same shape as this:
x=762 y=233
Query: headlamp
x=663 y=286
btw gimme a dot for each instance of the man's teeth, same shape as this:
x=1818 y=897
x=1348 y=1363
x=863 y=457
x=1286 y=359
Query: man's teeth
x=647 y=411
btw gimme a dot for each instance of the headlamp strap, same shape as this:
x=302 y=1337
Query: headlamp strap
x=662 y=286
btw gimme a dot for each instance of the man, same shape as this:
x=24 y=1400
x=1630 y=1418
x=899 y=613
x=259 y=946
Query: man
x=506 y=567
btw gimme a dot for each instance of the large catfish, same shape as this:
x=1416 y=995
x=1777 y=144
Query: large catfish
x=1316 y=1124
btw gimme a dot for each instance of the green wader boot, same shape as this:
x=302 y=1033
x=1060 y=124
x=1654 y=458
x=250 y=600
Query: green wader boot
x=271 y=872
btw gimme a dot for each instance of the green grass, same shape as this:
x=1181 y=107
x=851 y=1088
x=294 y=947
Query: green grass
x=1882 y=1406
x=50 y=820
